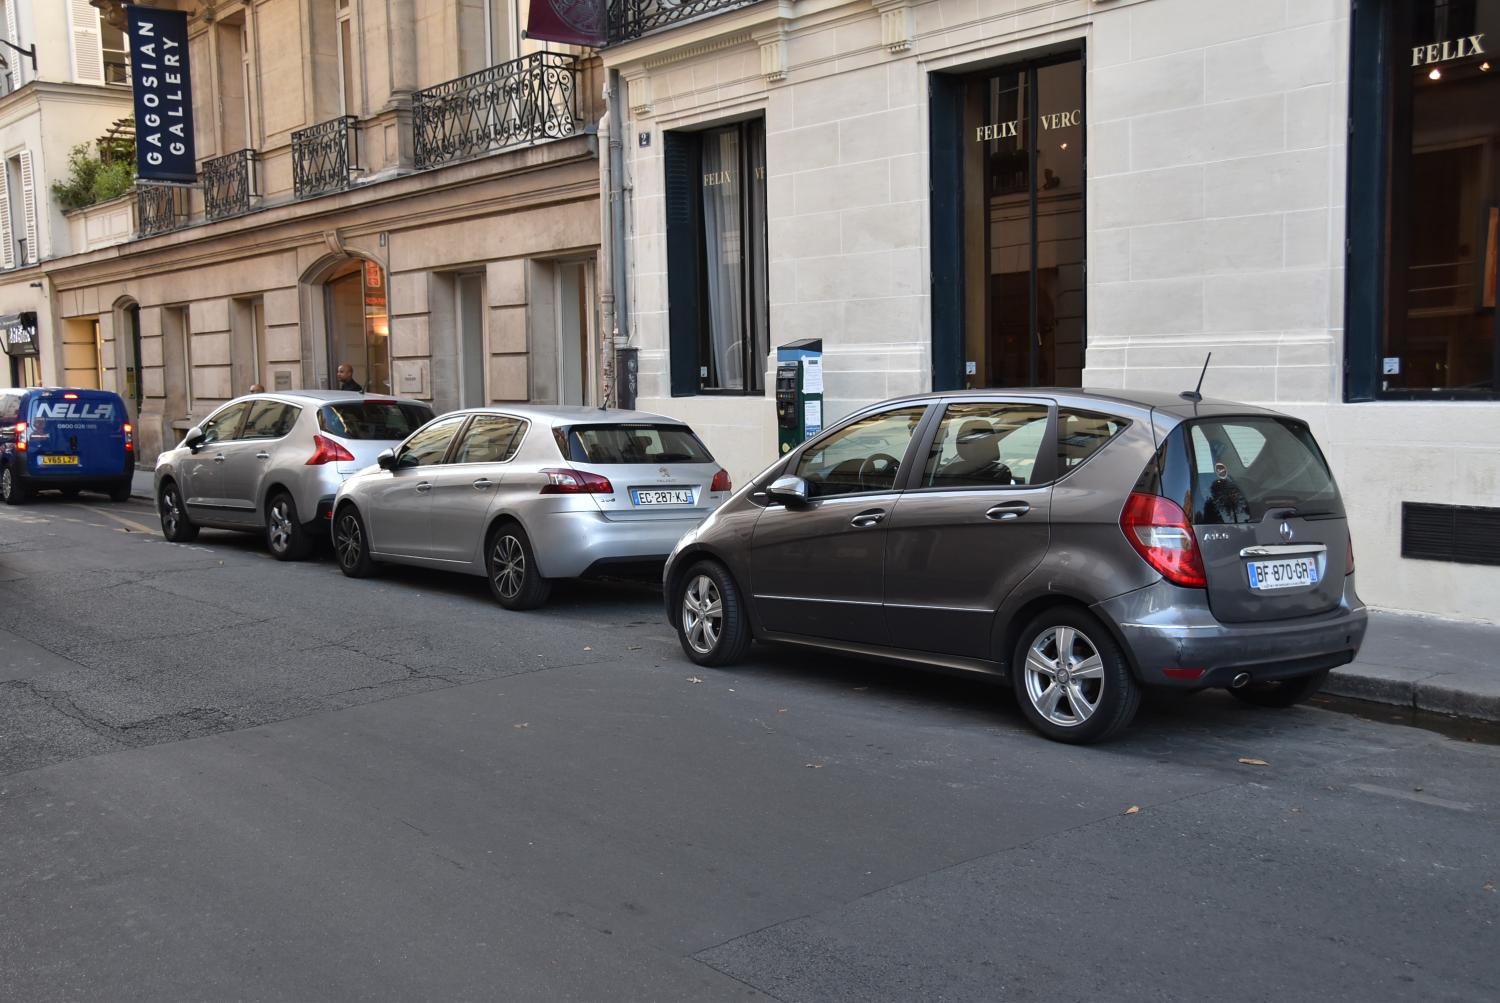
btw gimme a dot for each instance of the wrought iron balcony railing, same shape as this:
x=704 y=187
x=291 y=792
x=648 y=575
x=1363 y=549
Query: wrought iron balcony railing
x=633 y=18
x=160 y=208
x=523 y=101
x=229 y=184
x=325 y=156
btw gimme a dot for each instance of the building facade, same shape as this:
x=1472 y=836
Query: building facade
x=951 y=193
x=408 y=188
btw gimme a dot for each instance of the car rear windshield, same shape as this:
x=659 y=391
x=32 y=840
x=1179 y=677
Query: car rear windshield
x=642 y=443
x=393 y=420
x=1236 y=470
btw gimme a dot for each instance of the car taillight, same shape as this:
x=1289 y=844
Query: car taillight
x=20 y=437
x=567 y=481
x=129 y=430
x=328 y=452
x=1159 y=531
x=721 y=481
x=1349 y=550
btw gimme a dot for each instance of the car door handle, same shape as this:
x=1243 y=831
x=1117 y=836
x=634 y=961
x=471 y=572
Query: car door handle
x=262 y=455
x=219 y=458
x=1006 y=511
x=866 y=519
x=424 y=486
x=483 y=483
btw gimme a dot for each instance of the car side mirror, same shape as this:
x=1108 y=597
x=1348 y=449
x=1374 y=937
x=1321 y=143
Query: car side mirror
x=386 y=459
x=194 y=438
x=788 y=490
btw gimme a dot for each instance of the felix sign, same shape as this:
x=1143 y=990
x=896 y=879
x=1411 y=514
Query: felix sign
x=163 y=94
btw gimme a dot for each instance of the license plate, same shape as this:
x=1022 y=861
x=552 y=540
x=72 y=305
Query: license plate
x=662 y=496
x=59 y=461
x=1268 y=575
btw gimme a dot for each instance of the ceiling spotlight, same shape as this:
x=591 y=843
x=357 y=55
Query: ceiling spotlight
x=1436 y=74
x=1485 y=66
x=1062 y=146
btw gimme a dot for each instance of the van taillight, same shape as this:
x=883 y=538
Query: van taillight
x=721 y=481
x=1349 y=550
x=328 y=452
x=129 y=436
x=1159 y=531
x=567 y=481
x=20 y=437
x=70 y=397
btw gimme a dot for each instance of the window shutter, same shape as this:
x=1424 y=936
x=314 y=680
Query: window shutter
x=16 y=62
x=28 y=208
x=7 y=236
x=683 y=157
x=88 y=42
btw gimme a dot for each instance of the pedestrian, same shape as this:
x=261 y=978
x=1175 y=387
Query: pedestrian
x=257 y=388
x=346 y=378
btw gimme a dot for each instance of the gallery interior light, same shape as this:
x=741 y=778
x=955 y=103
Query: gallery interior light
x=1435 y=74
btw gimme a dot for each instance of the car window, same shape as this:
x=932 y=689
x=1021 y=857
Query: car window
x=225 y=425
x=373 y=419
x=269 y=420
x=1081 y=434
x=634 y=443
x=10 y=405
x=986 y=445
x=1245 y=467
x=863 y=456
x=428 y=446
x=491 y=438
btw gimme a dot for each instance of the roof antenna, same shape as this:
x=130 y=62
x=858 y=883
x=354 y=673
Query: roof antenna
x=1195 y=395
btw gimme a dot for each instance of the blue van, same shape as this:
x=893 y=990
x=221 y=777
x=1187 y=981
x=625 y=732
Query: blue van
x=56 y=439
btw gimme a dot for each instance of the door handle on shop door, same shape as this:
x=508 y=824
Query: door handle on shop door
x=483 y=483
x=869 y=518
x=1006 y=511
x=424 y=486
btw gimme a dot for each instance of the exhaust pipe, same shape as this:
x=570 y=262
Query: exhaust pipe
x=1240 y=680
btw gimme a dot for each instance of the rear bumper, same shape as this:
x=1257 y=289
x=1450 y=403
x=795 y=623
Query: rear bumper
x=1170 y=633
x=569 y=544
x=47 y=481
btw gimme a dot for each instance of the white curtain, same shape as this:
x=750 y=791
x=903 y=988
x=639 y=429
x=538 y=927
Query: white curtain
x=723 y=211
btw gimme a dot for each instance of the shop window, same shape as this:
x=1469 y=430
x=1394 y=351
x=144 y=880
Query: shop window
x=1424 y=204
x=716 y=254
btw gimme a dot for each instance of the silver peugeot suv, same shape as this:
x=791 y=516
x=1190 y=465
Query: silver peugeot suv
x=271 y=463
x=1085 y=545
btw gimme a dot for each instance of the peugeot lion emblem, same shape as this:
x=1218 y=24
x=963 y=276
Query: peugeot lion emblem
x=664 y=471
x=1286 y=531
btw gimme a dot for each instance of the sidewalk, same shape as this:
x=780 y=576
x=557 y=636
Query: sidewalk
x=144 y=484
x=1423 y=662
x=1427 y=663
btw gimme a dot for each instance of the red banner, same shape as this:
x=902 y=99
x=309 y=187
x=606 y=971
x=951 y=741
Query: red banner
x=576 y=22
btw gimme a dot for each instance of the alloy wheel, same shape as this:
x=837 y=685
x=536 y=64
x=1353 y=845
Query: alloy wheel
x=281 y=526
x=509 y=566
x=171 y=514
x=702 y=614
x=1064 y=676
x=349 y=542
x=6 y=487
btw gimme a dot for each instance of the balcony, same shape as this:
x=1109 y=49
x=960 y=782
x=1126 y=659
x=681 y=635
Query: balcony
x=325 y=156
x=160 y=208
x=526 y=100
x=629 y=19
x=229 y=187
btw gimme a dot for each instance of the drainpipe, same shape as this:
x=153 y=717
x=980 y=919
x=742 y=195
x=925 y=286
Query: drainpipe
x=620 y=305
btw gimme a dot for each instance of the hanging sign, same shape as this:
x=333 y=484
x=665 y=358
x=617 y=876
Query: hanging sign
x=576 y=22
x=163 y=94
x=18 y=333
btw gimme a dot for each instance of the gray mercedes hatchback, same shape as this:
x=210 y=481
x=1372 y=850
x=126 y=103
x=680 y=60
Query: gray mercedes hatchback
x=1085 y=545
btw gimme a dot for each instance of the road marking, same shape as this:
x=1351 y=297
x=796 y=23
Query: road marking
x=131 y=523
x=1417 y=796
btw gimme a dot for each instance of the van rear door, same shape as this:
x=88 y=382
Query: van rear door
x=78 y=433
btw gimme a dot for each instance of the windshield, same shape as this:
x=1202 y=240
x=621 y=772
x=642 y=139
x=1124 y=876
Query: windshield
x=391 y=420
x=1242 y=468
x=633 y=444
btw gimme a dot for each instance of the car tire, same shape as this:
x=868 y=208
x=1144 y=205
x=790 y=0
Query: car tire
x=711 y=621
x=11 y=488
x=120 y=492
x=1072 y=679
x=286 y=538
x=510 y=567
x=175 y=524
x=1286 y=693
x=351 y=544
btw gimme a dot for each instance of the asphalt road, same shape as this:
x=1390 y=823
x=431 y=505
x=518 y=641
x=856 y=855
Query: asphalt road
x=223 y=778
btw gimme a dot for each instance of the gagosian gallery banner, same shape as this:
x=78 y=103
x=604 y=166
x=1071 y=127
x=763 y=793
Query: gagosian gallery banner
x=163 y=94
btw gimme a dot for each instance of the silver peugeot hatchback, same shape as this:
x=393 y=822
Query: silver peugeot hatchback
x=271 y=463
x=527 y=494
x=1085 y=545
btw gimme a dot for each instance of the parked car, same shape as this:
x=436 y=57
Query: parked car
x=525 y=495
x=64 y=439
x=1086 y=545
x=271 y=463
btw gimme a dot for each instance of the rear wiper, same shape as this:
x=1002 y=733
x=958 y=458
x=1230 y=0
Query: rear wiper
x=1297 y=513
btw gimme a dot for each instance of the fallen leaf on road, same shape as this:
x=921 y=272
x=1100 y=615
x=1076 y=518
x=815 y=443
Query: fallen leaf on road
x=1489 y=886
x=1246 y=760
x=1134 y=809
x=813 y=766
x=523 y=724
x=632 y=647
x=781 y=710
x=587 y=648
x=694 y=679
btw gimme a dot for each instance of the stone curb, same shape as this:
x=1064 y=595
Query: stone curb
x=1438 y=693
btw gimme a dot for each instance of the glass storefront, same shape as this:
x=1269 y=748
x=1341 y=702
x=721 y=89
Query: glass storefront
x=359 y=325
